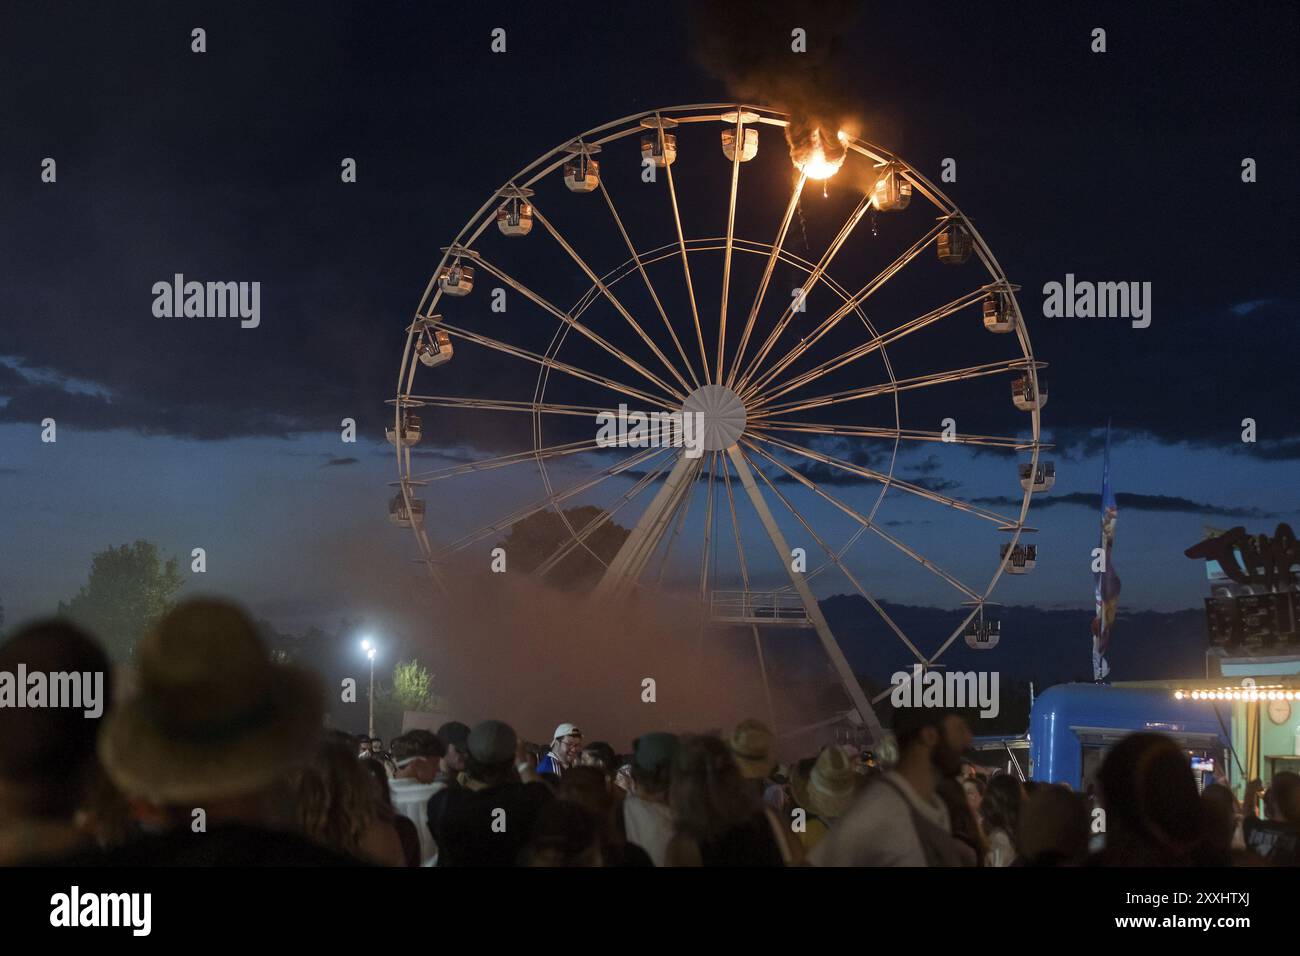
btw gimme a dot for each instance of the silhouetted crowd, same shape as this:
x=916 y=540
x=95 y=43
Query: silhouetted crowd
x=221 y=756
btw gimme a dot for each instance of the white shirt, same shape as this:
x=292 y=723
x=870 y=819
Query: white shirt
x=411 y=800
x=878 y=829
x=649 y=825
x=1001 y=851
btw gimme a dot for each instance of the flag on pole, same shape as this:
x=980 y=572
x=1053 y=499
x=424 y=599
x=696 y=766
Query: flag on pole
x=1105 y=580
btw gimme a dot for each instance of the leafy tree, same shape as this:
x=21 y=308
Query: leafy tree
x=533 y=540
x=411 y=689
x=129 y=588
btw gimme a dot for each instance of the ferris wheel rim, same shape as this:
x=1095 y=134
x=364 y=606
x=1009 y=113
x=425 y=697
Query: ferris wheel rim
x=614 y=130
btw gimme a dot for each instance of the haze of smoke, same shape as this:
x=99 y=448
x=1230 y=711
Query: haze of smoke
x=514 y=649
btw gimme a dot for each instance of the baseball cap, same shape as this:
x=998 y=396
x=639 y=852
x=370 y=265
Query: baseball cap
x=566 y=730
x=493 y=742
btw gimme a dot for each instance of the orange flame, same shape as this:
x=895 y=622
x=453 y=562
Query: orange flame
x=819 y=156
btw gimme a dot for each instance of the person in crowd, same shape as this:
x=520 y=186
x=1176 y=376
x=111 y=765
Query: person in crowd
x=1276 y=839
x=1284 y=793
x=566 y=745
x=647 y=817
x=718 y=818
x=48 y=769
x=565 y=834
x=824 y=787
x=974 y=786
x=751 y=747
x=363 y=745
x=418 y=756
x=341 y=805
x=777 y=792
x=601 y=755
x=900 y=820
x=1223 y=827
x=455 y=738
x=488 y=821
x=1153 y=812
x=1054 y=827
x=208 y=748
x=623 y=775
x=589 y=788
x=966 y=827
x=407 y=832
x=380 y=753
x=1000 y=808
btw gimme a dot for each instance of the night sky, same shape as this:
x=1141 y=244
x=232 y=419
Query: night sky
x=225 y=165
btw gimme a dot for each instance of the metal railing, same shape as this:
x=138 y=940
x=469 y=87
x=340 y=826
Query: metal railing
x=759 y=607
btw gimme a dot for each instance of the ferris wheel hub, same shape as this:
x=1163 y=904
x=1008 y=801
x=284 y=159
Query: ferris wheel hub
x=723 y=415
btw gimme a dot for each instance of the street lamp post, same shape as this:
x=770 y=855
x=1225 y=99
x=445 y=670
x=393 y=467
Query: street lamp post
x=369 y=648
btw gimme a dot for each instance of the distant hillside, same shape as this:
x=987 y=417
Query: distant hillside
x=1046 y=647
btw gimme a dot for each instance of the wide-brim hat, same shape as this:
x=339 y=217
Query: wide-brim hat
x=830 y=787
x=214 y=717
x=751 y=746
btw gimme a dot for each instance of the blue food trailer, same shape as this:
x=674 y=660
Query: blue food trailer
x=1073 y=726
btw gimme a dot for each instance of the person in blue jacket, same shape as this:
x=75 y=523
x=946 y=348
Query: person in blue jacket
x=566 y=745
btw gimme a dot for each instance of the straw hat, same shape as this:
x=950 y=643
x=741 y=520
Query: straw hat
x=751 y=745
x=829 y=789
x=214 y=716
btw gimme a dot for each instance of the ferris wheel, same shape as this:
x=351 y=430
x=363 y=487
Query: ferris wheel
x=665 y=269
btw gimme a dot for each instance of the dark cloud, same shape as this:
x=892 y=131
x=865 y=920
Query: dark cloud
x=139 y=199
x=1131 y=501
x=927 y=466
x=1283 y=449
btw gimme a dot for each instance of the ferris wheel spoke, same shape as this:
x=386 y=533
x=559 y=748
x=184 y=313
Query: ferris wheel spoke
x=488 y=464
x=849 y=306
x=577 y=326
x=956 y=633
x=836 y=559
x=866 y=522
x=809 y=283
x=744 y=579
x=772 y=258
x=680 y=510
x=905 y=434
x=500 y=405
x=681 y=243
x=551 y=363
x=731 y=235
x=708 y=531
x=645 y=277
x=900 y=385
x=579 y=538
x=874 y=344
x=542 y=504
x=888 y=480
x=613 y=299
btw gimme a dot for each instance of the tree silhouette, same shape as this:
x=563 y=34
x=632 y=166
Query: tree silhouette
x=129 y=588
x=533 y=540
